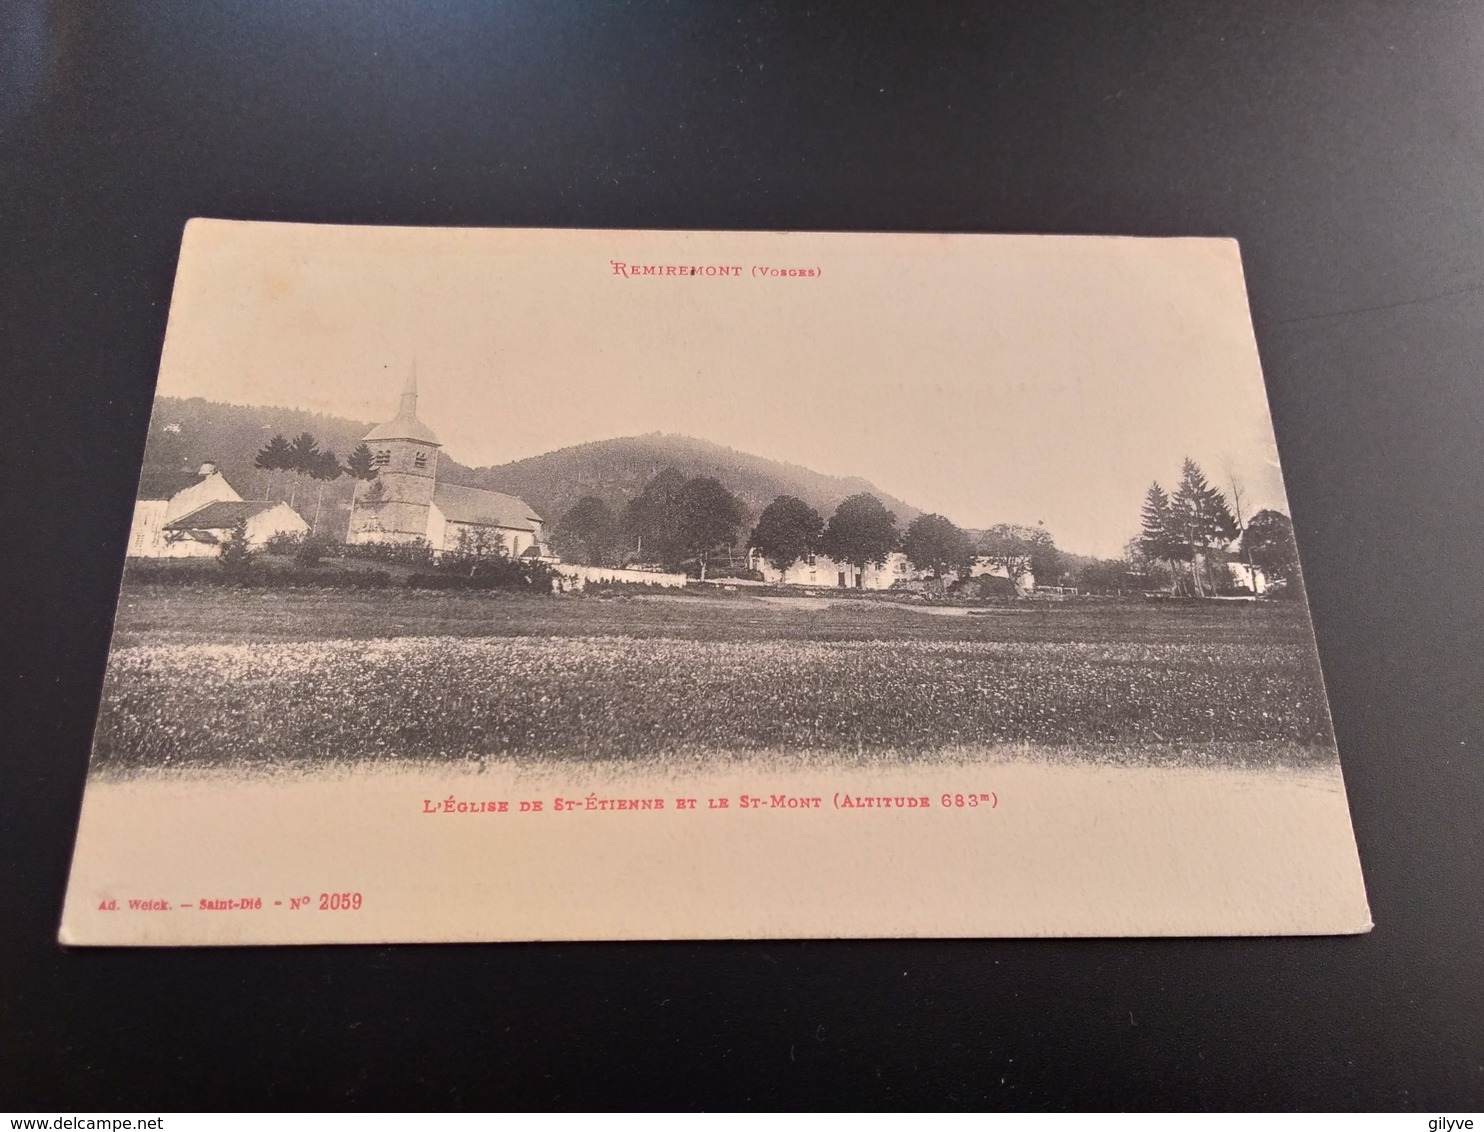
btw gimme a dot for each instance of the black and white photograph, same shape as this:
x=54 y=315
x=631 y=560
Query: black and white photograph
x=635 y=537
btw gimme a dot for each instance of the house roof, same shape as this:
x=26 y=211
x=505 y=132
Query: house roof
x=164 y=485
x=484 y=508
x=220 y=515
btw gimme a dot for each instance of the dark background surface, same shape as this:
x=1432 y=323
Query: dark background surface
x=1343 y=144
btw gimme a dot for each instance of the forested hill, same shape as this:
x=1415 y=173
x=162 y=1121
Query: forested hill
x=617 y=470
x=184 y=433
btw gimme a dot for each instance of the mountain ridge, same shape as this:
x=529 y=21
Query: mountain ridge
x=185 y=432
x=616 y=470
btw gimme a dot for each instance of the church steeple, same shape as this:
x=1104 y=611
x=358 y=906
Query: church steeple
x=409 y=394
x=396 y=507
x=405 y=425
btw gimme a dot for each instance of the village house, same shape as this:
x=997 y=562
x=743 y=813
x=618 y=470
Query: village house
x=895 y=573
x=177 y=515
x=1241 y=575
x=821 y=570
x=204 y=530
x=405 y=502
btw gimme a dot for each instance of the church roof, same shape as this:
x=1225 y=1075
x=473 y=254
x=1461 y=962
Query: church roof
x=405 y=425
x=165 y=485
x=220 y=515
x=484 y=508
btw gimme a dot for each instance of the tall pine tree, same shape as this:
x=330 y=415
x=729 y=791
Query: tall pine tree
x=304 y=457
x=324 y=469
x=361 y=465
x=1203 y=524
x=1156 y=536
x=275 y=456
x=1186 y=519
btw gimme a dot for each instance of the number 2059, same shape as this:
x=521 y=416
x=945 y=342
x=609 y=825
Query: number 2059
x=339 y=901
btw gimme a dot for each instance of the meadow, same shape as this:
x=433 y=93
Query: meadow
x=251 y=680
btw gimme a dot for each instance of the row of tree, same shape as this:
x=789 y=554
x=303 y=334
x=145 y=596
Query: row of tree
x=863 y=532
x=676 y=520
x=302 y=458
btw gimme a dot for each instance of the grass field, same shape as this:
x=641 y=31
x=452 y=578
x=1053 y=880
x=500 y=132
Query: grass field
x=221 y=677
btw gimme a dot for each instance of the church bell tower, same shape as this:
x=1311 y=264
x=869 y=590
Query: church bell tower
x=394 y=506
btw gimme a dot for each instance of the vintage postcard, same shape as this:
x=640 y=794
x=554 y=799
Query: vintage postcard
x=521 y=585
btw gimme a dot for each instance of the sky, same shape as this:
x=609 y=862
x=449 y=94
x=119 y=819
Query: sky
x=1025 y=379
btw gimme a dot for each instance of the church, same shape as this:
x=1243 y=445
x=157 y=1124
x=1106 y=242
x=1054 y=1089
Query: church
x=406 y=502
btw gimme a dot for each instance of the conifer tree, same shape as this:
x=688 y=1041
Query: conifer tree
x=304 y=455
x=275 y=456
x=1186 y=519
x=1156 y=537
x=323 y=469
x=1220 y=524
x=1203 y=522
x=362 y=465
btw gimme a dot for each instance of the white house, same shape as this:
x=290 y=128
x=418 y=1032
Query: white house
x=187 y=514
x=164 y=497
x=202 y=532
x=1242 y=575
x=821 y=570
